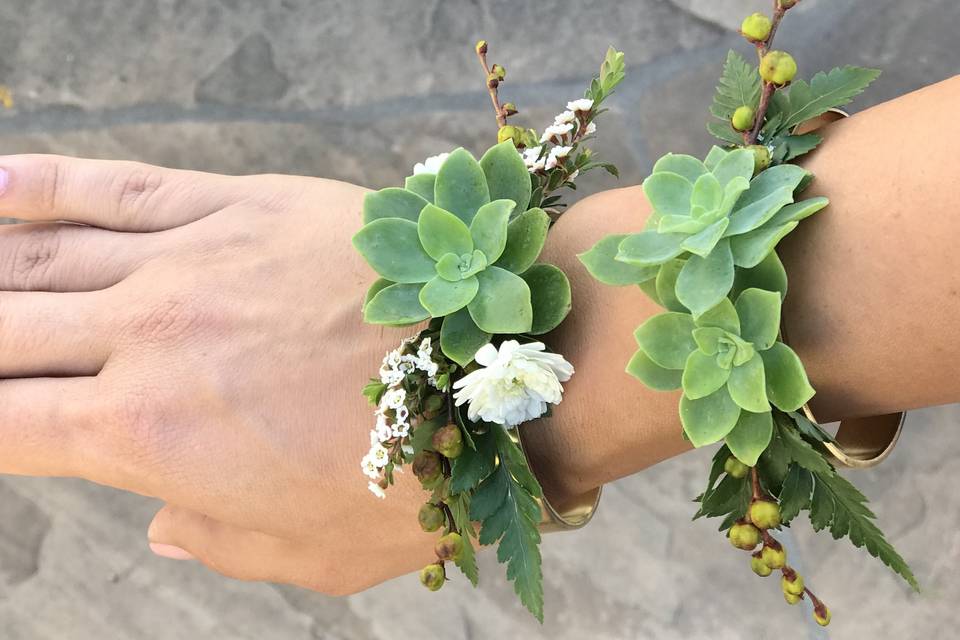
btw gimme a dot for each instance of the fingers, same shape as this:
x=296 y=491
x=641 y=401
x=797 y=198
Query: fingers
x=183 y=534
x=125 y=196
x=54 y=334
x=50 y=427
x=70 y=257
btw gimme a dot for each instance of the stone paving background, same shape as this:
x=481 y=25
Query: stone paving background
x=360 y=90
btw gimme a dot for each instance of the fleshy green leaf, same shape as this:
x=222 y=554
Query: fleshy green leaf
x=769 y=275
x=750 y=249
x=422 y=185
x=600 y=262
x=649 y=248
x=392 y=203
x=461 y=338
x=397 y=304
x=680 y=164
x=787 y=384
x=652 y=374
x=768 y=192
x=715 y=155
x=708 y=419
x=707 y=192
x=747 y=386
x=751 y=436
x=704 y=282
x=441 y=297
x=708 y=339
x=797 y=211
x=759 y=313
x=549 y=296
x=723 y=316
x=448 y=267
x=461 y=186
x=704 y=242
x=391 y=246
x=378 y=285
x=502 y=304
x=507 y=175
x=702 y=375
x=441 y=232
x=736 y=164
x=669 y=193
x=667 y=285
x=826 y=91
x=525 y=237
x=489 y=228
x=667 y=338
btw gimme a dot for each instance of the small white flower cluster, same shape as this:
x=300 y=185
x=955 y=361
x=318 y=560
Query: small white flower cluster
x=515 y=384
x=393 y=414
x=557 y=134
x=431 y=164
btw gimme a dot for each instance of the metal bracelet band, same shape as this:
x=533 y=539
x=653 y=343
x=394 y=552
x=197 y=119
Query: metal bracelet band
x=574 y=514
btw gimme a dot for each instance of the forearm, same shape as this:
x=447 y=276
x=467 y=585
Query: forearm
x=873 y=301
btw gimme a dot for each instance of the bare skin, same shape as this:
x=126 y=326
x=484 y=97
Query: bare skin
x=199 y=340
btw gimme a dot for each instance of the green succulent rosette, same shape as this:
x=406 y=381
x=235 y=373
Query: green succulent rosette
x=463 y=246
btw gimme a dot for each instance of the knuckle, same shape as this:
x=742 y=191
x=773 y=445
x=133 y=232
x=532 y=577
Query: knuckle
x=134 y=193
x=170 y=317
x=142 y=431
x=34 y=256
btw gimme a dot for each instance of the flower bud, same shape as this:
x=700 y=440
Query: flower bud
x=774 y=558
x=744 y=536
x=492 y=80
x=735 y=468
x=433 y=576
x=449 y=547
x=756 y=27
x=742 y=119
x=498 y=71
x=794 y=585
x=765 y=514
x=448 y=441
x=786 y=4
x=761 y=157
x=822 y=615
x=509 y=109
x=426 y=466
x=431 y=517
x=759 y=566
x=778 y=67
x=791 y=598
x=481 y=47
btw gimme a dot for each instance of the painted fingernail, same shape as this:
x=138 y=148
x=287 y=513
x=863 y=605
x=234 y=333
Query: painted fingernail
x=170 y=551
x=4 y=180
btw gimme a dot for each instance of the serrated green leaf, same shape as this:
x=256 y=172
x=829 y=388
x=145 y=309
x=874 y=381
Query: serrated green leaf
x=750 y=437
x=467 y=560
x=739 y=85
x=826 y=91
x=787 y=384
x=704 y=282
x=461 y=186
x=525 y=237
x=373 y=391
x=652 y=374
x=667 y=338
x=549 y=296
x=507 y=175
x=710 y=419
x=392 y=203
x=392 y=248
x=601 y=264
x=800 y=451
x=398 y=304
x=795 y=493
x=461 y=338
x=502 y=303
x=726 y=498
x=422 y=185
x=473 y=466
x=796 y=146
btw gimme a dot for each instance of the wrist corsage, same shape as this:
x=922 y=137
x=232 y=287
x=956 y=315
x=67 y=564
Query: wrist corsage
x=457 y=247
x=707 y=256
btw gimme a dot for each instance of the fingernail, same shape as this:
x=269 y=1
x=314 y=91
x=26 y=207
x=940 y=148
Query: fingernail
x=170 y=551
x=4 y=180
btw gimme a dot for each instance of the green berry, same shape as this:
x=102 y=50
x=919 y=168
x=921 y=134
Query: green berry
x=433 y=576
x=448 y=441
x=760 y=567
x=756 y=27
x=765 y=514
x=449 y=547
x=794 y=586
x=744 y=536
x=735 y=468
x=822 y=617
x=510 y=132
x=426 y=466
x=431 y=517
x=791 y=598
x=778 y=67
x=742 y=119
x=761 y=157
x=774 y=558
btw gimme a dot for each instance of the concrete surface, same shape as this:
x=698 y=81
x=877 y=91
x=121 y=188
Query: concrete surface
x=360 y=90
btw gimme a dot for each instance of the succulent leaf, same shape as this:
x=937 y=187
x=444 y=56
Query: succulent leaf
x=707 y=192
x=461 y=186
x=702 y=375
x=601 y=264
x=750 y=436
x=397 y=304
x=667 y=285
x=448 y=267
x=549 y=296
x=649 y=248
x=747 y=385
x=707 y=420
x=759 y=313
x=768 y=193
x=723 y=316
x=392 y=247
x=392 y=202
x=667 y=338
x=681 y=164
x=421 y=184
x=703 y=242
x=787 y=385
x=797 y=211
x=507 y=175
x=378 y=285
x=751 y=248
x=669 y=193
x=441 y=297
x=502 y=304
x=652 y=374
x=704 y=282
x=769 y=275
x=441 y=232
x=736 y=164
x=526 y=235
x=489 y=228
x=461 y=338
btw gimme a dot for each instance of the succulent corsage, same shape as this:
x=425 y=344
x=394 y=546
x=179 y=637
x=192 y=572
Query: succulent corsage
x=707 y=255
x=458 y=247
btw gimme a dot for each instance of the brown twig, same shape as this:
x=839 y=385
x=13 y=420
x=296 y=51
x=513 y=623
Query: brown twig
x=491 y=85
x=768 y=87
x=755 y=481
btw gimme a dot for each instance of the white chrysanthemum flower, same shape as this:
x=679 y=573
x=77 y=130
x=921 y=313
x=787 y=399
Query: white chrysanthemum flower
x=583 y=104
x=555 y=154
x=515 y=384
x=591 y=129
x=431 y=164
x=369 y=467
x=556 y=130
x=565 y=117
x=376 y=490
x=393 y=398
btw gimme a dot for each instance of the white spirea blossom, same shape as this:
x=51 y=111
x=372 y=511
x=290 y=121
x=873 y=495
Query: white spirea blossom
x=555 y=154
x=556 y=130
x=565 y=117
x=515 y=384
x=376 y=490
x=583 y=104
x=531 y=158
x=431 y=164
x=591 y=129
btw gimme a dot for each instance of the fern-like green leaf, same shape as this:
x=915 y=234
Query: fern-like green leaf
x=824 y=92
x=739 y=85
